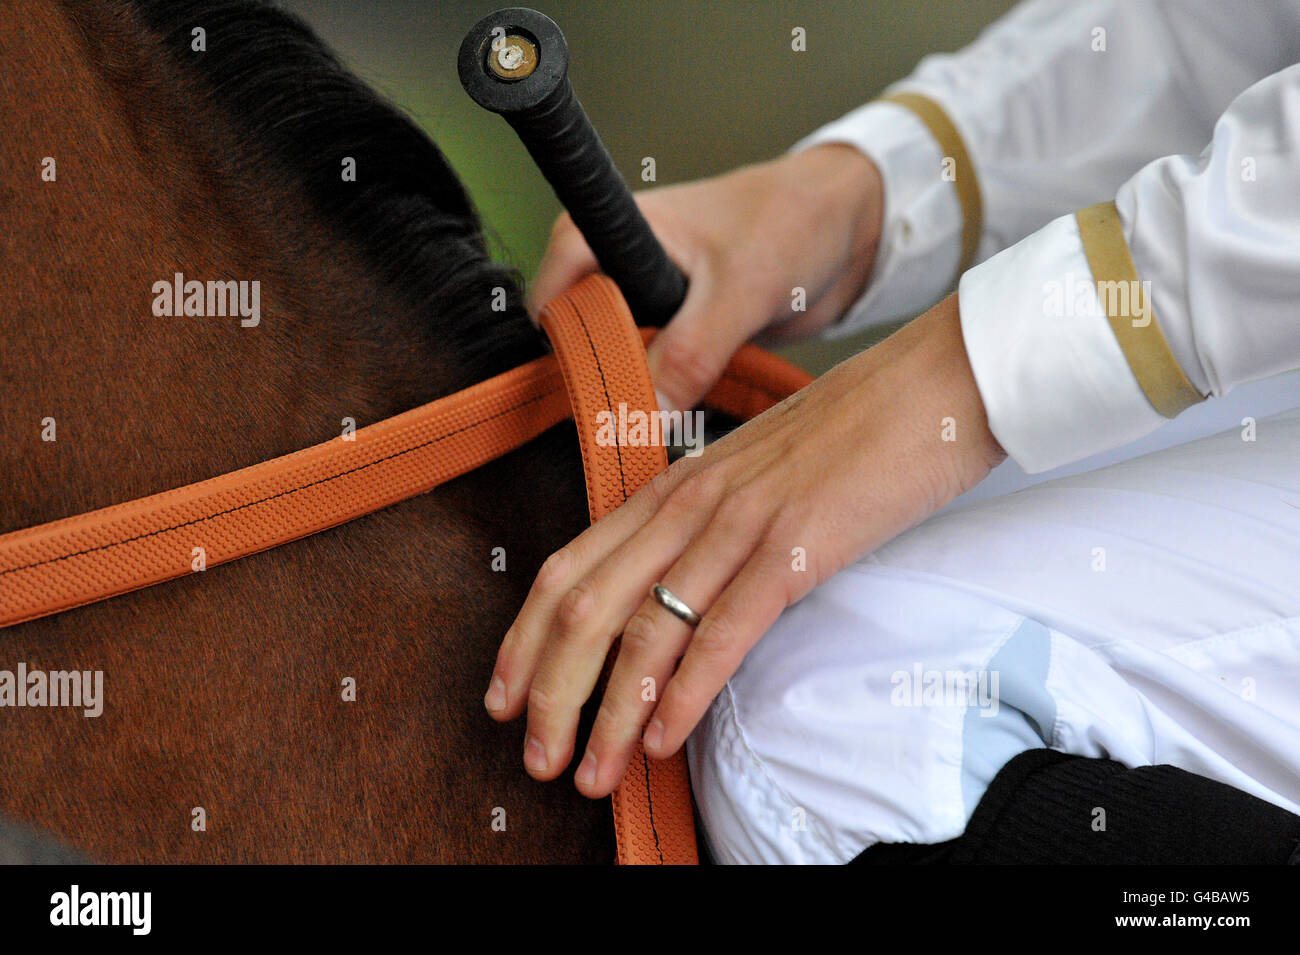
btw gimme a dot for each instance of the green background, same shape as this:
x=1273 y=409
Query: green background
x=700 y=85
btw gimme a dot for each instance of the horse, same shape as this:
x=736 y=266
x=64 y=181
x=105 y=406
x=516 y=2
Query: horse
x=320 y=702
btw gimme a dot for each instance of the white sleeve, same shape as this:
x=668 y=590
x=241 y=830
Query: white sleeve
x=1057 y=104
x=1068 y=368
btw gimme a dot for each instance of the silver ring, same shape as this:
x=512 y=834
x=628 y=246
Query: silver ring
x=674 y=604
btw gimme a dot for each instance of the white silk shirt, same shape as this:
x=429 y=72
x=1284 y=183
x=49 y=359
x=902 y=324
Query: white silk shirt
x=1187 y=114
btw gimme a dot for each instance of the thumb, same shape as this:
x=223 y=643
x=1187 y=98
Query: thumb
x=568 y=259
x=689 y=355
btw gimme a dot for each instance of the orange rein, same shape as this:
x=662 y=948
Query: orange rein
x=599 y=362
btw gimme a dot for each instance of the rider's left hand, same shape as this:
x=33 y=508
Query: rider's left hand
x=831 y=473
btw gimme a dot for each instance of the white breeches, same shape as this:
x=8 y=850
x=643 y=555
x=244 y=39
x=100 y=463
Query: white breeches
x=1147 y=611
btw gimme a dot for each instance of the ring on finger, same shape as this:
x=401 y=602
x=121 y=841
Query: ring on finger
x=674 y=604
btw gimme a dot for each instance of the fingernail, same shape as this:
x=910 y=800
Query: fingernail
x=664 y=404
x=496 y=695
x=534 y=754
x=654 y=735
x=586 y=774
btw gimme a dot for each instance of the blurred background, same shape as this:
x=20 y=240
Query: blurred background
x=700 y=85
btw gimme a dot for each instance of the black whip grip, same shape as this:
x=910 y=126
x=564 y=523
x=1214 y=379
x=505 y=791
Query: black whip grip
x=515 y=62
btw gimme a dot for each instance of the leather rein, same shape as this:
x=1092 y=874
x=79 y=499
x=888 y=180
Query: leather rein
x=598 y=363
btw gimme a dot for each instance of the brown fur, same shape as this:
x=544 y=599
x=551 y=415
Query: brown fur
x=222 y=690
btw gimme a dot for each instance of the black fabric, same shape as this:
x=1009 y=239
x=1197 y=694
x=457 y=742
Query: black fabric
x=1046 y=807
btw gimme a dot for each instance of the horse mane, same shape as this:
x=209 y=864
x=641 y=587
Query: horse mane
x=407 y=212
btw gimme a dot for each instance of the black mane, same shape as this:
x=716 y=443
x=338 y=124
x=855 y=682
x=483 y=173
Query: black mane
x=407 y=212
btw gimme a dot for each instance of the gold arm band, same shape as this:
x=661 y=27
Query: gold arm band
x=1128 y=309
x=968 y=188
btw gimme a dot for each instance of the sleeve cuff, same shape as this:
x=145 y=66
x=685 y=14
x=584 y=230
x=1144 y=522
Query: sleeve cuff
x=921 y=233
x=1056 y=383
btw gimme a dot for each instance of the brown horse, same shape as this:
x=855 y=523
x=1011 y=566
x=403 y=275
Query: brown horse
x=145 y=138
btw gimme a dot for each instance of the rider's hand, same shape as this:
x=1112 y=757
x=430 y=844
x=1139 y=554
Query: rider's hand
x=830 y=473
x=746 y=240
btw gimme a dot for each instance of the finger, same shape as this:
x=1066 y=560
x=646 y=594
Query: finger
x=568 y=258
x=525 y=640
x=689 y=355
x=653 y=641
x=742 y=614
x=592 y=615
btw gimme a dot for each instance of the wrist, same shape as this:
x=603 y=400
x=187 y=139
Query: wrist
x=978 y=451
x=842 y=187
x=935 y=361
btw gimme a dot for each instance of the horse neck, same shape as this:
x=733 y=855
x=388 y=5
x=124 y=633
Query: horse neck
x=224 y=686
